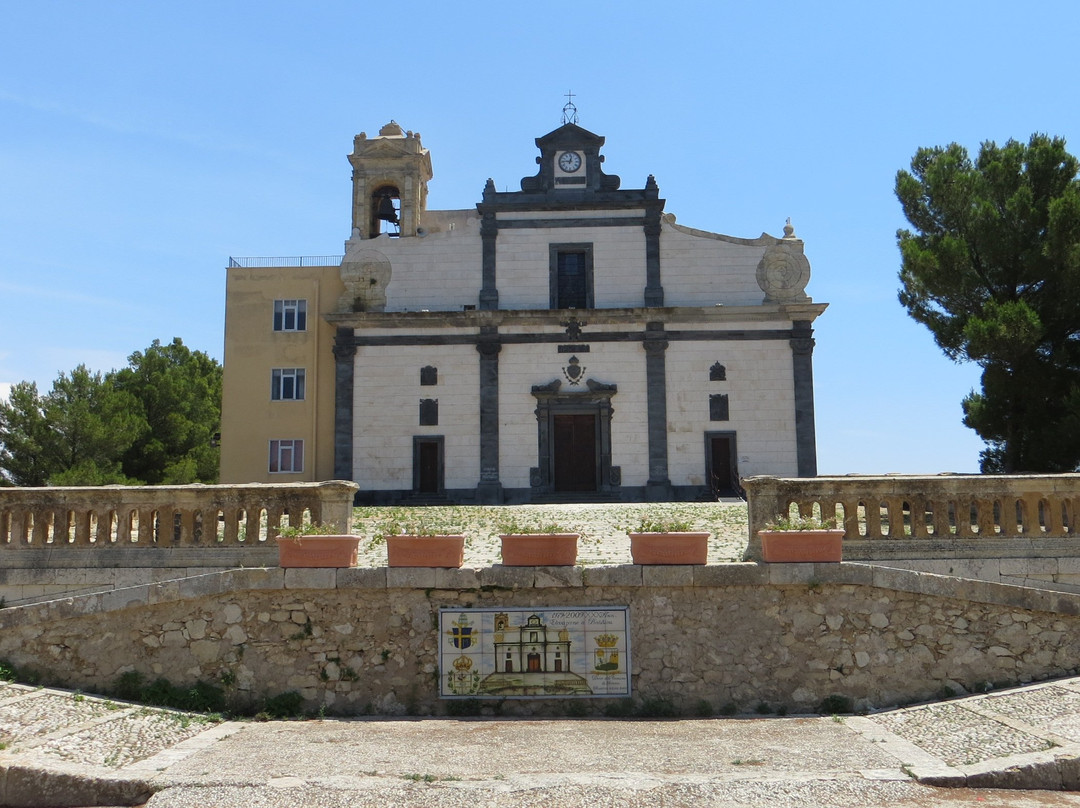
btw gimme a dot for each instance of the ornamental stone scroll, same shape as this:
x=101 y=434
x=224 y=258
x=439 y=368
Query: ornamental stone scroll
x=783 y=271
x=366 y=274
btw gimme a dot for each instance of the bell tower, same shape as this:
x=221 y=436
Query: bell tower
x=390 y=176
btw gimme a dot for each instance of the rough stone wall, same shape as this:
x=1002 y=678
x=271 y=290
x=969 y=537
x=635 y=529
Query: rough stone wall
x=356 y=641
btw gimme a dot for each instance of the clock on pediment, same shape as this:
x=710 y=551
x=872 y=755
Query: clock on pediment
x=570 y=159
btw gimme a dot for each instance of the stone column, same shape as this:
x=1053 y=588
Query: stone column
x=658 y=489
x=802 y=363
x=344 y=357
x=489 y=489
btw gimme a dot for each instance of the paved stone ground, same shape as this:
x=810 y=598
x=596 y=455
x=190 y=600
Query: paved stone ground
x=603 y=527
x=64 y=748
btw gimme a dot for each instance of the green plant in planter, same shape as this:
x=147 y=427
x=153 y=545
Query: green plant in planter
x=420 y=527
x=525 y=526
x=657 y=523
x=790 y=523
x=308 y=529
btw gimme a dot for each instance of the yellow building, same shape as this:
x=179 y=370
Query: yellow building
x=568 y=340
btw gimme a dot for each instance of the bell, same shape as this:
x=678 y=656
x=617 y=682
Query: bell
x=386 y=210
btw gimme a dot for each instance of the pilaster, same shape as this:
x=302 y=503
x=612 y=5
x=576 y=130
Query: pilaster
x=489 y=489
x=344 y=354
x=658 y=488
x=802 y=363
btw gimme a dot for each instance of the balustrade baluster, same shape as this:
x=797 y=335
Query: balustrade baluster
x=41 y=527
x=186 y=535
x=20 y=534
x=81 y=518
x=894 y=507
x=917 y=505
x=987 y=522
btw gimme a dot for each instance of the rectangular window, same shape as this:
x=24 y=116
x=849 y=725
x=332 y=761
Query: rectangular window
x=571 y=276
x=286 y=456
x=429 y=412
x=290 y=315
x=287 y=384
x=718 y=407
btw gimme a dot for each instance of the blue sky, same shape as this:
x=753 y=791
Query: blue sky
x=142 y=144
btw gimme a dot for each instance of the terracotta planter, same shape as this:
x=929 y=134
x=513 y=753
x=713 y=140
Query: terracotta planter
x=443 y=550
x=539 y=549
x=801 y=546
x=669 y=548
x=318 y=551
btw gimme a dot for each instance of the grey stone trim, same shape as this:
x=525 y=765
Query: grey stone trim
x=551 y=402
x=489 y=489
x=344 y=354
x=610 y=336
x=489 y=232
x=802 y=363
x=658 y=488
x=610 y=221
x=574 y=349
x=654 y=290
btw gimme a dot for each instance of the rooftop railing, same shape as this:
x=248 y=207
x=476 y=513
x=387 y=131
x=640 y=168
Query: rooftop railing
x=288 y=261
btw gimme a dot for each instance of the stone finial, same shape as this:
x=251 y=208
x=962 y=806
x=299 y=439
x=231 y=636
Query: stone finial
x=489 y=186
x=391 y=130
x=789 y=231
x=650 y=184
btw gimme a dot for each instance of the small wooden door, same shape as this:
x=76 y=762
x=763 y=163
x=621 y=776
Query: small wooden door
x=429 y=478
x=721 y=460
x=574 y=452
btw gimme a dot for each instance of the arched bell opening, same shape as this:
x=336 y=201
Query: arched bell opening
x=386 y=211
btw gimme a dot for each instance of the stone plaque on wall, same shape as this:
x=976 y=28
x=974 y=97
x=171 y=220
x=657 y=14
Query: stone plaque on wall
x=534 y=653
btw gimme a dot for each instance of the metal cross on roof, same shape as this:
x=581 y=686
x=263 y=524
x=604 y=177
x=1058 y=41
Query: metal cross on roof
x=569 y=111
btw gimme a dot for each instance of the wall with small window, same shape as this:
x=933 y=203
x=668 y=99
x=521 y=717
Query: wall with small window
x=755 y=398
x=405 y=393
x=616 y=260
x=279 y=385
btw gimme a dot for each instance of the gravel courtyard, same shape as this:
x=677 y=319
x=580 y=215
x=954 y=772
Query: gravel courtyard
x=603 y=527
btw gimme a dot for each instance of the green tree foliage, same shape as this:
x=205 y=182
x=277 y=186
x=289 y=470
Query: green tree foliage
x=72 y=436
x=992 y=268
x=151 y=422
x=180 y=393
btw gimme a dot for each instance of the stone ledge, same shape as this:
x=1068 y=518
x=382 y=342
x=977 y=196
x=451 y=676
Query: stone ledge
x=538 y=579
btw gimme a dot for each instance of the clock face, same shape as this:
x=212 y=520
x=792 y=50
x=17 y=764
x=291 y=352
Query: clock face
x=569 y=161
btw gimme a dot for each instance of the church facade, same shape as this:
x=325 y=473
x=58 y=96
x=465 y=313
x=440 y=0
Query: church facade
x=566 y=341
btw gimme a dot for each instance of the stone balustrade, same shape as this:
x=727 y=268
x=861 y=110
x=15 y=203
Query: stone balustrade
x=901 y=516
x=125 y=519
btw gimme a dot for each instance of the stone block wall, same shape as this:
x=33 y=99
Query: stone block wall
x=365 y=640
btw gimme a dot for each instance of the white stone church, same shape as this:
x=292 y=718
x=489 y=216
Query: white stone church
x=564 y=342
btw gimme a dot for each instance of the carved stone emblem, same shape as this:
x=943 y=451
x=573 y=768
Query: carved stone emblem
x=573 y=371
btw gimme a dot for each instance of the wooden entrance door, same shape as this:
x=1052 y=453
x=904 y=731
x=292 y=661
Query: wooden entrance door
x=574 y=452
x=429 y=472
x=721 y=463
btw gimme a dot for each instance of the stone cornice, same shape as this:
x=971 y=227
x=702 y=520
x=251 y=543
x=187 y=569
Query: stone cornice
x=726 y=316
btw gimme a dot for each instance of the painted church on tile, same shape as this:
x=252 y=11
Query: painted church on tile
x=567 y=341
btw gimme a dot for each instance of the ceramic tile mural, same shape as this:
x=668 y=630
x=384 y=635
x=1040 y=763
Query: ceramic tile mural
x=534 y=653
